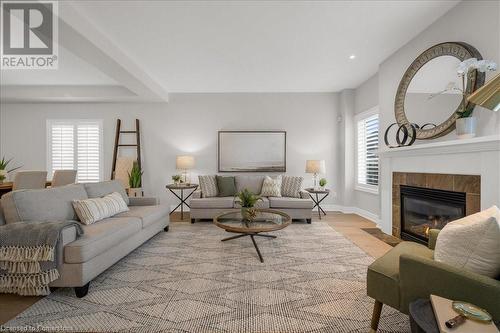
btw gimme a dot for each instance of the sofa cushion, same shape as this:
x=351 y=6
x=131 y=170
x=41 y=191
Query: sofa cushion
x=472 y=243
x=218 y=202
x=98 y=190
x=383 y=273
x=252 y=183
x=52 y=204
x=99 y=237
x=226 y=186
x=282 y=202
x=271 y=187
x=147 y=214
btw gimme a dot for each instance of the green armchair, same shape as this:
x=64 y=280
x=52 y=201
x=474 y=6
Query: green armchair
x=408 y=272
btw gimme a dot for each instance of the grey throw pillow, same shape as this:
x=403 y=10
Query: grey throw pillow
x=290 y=186
x=226 y=186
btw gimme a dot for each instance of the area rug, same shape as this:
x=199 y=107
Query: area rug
x=187 y=280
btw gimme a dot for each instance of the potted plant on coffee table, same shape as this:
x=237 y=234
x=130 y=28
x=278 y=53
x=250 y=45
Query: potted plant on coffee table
x=247 y=200
x=135 y=181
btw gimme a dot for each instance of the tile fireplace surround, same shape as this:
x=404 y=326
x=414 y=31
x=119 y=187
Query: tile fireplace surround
x=469 y=184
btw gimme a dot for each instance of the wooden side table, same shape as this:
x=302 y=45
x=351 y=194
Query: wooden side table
x=315 y=196
x=175 y=187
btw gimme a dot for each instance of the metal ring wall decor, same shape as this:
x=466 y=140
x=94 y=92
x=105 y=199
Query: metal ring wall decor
x=402 y=129
x=475 y=79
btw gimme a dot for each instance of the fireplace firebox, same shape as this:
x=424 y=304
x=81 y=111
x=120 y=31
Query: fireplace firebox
x=423 y=209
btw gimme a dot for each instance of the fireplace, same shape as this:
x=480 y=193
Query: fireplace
x=424 y=208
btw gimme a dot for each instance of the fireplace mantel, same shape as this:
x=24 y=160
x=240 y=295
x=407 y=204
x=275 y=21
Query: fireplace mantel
x=479 y=144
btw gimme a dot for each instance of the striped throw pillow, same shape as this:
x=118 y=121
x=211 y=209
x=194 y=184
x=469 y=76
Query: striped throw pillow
x=208 y=185
x=290 y=186
x=271 y=187
x=92 y=210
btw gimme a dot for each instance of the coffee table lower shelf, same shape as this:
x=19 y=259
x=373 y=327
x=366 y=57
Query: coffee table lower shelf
x=253 y=240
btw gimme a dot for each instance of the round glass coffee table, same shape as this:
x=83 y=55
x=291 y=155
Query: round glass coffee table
x=266 y=220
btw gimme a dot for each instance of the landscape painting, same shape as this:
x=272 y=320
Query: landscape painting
x=252 y=151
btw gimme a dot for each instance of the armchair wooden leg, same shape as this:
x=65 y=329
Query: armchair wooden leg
x=377 y=310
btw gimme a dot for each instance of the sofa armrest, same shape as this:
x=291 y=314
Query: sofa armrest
x=304 y=194
x=420 y=277
x=143 y=201
x=433 y=234
x=2 y=217
x=196 y=194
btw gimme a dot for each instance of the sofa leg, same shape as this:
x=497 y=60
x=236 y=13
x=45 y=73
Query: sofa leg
x=377 y=310
x=82 y=291
x=166 y=228
x=193 y=220
x=308 y=221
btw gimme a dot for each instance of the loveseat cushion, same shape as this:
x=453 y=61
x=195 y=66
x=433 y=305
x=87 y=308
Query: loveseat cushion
x=98 y=190
x=52 y=204
x=216 y=202
x=294 y=203
x=383 y=274
x=147 y=214
x=252 y=183
x=99 y=237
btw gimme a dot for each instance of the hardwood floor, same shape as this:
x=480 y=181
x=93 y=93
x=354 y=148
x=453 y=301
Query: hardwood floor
x=348 y=225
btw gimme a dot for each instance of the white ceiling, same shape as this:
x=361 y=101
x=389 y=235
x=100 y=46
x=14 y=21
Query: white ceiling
x=246 y=46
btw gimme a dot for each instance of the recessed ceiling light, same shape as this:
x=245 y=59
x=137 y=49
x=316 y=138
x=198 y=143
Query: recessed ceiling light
x=352 y=56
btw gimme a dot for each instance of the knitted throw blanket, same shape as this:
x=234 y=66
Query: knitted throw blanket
x=28 y=260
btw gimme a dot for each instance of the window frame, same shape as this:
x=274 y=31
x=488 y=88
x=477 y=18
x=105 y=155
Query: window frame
x=373 y=189
x=74 y=123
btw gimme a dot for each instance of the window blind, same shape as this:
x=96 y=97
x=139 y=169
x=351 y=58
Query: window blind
x=367 y=145
x=75 y=145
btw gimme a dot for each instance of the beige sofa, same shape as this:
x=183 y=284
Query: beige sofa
x=103 y=243
x=206 y=208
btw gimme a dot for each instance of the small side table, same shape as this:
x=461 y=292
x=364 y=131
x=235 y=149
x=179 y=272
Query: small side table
x=174 y=187
x=315 y=196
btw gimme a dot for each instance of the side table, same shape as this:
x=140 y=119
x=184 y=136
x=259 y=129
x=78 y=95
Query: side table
x=175 y=187
x=315 y=196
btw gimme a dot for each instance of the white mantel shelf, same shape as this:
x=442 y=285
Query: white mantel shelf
x=459 y=146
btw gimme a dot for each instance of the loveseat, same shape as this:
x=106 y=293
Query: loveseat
x=103 y=243
x=207 y=208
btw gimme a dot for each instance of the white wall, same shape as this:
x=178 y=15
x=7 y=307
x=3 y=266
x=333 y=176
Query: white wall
x=188 y=124
x=365 y=98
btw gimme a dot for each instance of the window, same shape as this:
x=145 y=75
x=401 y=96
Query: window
x=77 y=145
x=367 y=145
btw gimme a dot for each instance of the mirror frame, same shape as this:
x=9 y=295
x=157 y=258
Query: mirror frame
x=475 y=80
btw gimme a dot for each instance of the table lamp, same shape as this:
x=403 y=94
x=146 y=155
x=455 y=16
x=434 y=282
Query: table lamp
x=315 y=167
x=184 y=163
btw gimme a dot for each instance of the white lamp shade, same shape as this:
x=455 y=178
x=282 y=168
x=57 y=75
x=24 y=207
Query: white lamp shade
x=315 y=166
x=184 y=162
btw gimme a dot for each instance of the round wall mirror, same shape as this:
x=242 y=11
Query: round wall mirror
x=430 y=91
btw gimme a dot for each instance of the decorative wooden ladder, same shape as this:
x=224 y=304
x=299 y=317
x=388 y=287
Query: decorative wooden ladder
x=119 y=132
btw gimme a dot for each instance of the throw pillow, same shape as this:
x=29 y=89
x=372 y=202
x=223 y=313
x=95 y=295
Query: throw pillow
x=226 y=186
x=208 y=185
x=290 y=186
x=271 y=187
x=471 y=243
x=92 y=210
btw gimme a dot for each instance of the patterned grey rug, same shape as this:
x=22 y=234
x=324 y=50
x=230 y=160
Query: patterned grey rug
x=187 y=280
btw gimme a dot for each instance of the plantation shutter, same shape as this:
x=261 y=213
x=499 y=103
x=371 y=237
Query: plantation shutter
x=75 y=145
x=367 y=147
x=88 y=152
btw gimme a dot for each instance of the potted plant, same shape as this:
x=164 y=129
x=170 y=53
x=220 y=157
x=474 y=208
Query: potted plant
x=135 y=181
x=3 y=169
x=465 y=124
x=176 y=179
x=322 y=183
x=247 y=200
